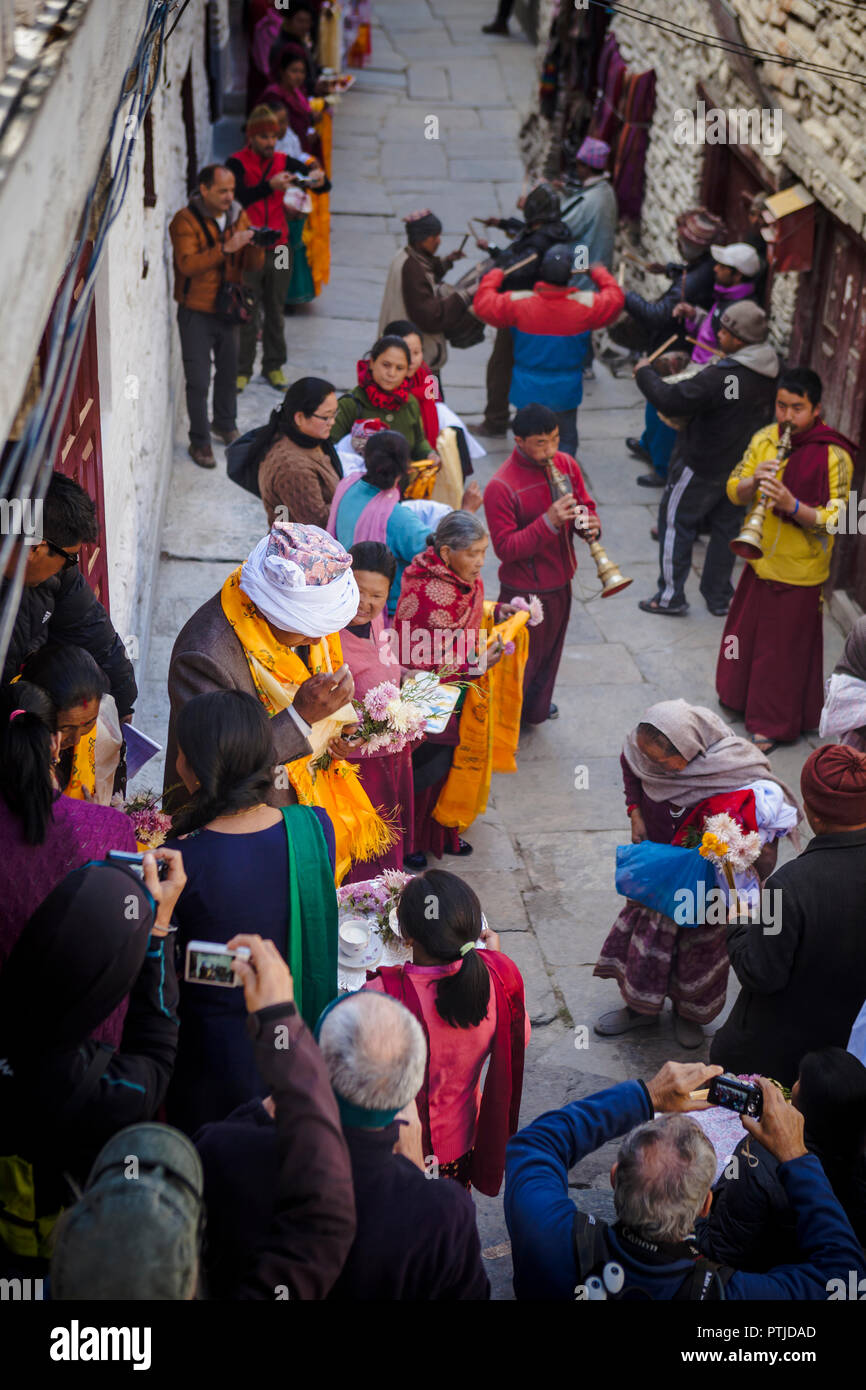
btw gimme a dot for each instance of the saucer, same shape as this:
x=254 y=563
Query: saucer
x=366 y=960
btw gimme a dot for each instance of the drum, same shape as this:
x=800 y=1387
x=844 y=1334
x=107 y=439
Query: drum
x=679 y=422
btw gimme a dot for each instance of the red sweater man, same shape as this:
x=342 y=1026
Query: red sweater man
x=533 y=537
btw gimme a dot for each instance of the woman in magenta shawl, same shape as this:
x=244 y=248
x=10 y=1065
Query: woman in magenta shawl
x=386 y=777
x=289 y=89
x=44 y=835
x=471 y=1004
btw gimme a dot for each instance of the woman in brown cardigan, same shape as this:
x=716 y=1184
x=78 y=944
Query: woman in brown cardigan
x=299 y=468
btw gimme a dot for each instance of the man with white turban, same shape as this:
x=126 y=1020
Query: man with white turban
x=299 y=601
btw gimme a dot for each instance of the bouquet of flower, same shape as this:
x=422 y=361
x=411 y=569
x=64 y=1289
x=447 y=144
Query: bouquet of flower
x=533 y=606
x=388 y=719
x=375 y=897
x=151 y=825
x=732 y=849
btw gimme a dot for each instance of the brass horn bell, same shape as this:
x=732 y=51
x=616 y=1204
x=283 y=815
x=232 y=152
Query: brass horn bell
x=611 y=579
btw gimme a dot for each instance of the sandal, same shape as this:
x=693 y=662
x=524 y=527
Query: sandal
x=652 y=605
x=765 y=745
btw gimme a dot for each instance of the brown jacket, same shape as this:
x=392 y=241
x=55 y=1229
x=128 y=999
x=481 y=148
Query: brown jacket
x=198 y=268
x=302 y=481
x=207 y=656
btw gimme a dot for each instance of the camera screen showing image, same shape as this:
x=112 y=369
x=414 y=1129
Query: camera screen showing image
x=210 y=963
x=135 y=862
x=265 y=236
x=731 y=1093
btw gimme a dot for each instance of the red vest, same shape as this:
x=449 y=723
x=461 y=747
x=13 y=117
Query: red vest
x=267 y=212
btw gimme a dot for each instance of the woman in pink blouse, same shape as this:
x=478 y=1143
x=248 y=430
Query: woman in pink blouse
x=470 y=1003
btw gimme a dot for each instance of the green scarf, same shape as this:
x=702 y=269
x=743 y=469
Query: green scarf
x=312 y=933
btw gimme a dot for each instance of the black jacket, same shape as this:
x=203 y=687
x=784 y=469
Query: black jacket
x=65 y=609
x=59 y=1108
x=538 y=240
x=721 y=418
x=802 y=987
x=752 y=1225
x=657 y=316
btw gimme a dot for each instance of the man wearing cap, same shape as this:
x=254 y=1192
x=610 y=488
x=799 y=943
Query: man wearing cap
x=550 y=328
x=414 y=288
x=262 y=177
x=803 y=975
x=542 y=228
x=692 y=278
x=590 y=212
x=416 y=1240
x=272 y=631
x=735 y=268
x=722 y=406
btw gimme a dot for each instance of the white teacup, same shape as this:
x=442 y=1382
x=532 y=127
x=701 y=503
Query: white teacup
x=354 y=937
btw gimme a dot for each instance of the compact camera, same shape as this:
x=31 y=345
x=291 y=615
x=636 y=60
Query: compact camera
x=136 y=862
x=210 y=963
x=265 y=236
x=744 y=1097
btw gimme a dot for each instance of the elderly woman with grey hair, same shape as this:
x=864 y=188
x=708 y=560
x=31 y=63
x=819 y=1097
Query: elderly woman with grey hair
x=416 y=1240
x=440 y=623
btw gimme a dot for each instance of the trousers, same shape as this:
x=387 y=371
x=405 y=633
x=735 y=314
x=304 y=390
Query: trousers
x=685 y=502
x=270 y=286
x=204 y=337
x=499 y=368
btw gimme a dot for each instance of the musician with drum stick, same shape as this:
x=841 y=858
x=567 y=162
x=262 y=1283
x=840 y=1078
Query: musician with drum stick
x=415 y=289
x=715 y=412
x=541 y=228
x=795 y=475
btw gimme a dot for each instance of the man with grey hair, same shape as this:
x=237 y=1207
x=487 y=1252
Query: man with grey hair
x=662 y=1183
x=416 y=1238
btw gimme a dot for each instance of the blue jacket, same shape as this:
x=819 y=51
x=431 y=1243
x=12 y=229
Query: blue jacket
x=540 y=1213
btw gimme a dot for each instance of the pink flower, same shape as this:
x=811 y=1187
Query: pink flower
x=508 y=649
x=376 y=700
x=533 y=606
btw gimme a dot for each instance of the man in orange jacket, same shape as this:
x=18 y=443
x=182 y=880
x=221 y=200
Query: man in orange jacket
x=211 y=239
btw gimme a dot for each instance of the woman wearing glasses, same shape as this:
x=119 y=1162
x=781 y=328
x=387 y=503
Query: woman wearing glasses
x=299 y=468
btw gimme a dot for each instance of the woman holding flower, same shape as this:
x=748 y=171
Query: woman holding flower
x=385 y=773
x=678 y=765
x=442 y=621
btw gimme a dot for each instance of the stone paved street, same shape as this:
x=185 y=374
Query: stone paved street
x=544 y=854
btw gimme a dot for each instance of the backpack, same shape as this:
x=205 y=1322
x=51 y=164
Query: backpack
x=240 y=459
x=603 y=1276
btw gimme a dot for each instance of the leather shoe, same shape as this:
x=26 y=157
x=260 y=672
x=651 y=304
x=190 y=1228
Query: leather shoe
x=495 y=28
x=635 y=447
x=416 y=861
x=650 y=480
x=553 y=712
x=227 y=436
x=687 y=1032
x=202 y=456
x=487 y=431
x=719 y=610
x=623 y=1020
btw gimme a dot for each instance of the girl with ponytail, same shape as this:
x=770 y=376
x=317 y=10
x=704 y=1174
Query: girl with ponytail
x=250 y=867
x=470 y=1003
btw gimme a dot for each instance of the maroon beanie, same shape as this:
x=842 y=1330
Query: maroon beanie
x=833 y=783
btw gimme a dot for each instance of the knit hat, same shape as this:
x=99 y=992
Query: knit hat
x=595 y=153
x=740 y=255
x=421 y=224
x=700 y=227
x=747 y=321
x=556 y=264
x=542 y=204
x=134 y=1234
x=833 y=783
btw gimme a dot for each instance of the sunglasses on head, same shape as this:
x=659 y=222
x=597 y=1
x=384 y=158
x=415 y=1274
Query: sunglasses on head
x=69 y=560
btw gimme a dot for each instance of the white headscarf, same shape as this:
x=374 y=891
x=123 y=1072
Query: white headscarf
x=301 y=580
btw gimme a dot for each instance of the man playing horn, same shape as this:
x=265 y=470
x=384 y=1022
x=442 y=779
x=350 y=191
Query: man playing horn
x=770 y=666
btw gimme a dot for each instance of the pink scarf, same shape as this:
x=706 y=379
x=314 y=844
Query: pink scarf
x=372 y=524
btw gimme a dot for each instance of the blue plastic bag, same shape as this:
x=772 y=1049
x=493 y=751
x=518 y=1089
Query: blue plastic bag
x=655 y=875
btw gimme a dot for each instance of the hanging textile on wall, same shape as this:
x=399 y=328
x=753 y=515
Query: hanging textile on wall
x=622 y=118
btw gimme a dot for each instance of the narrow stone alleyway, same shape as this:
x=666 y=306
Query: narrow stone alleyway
x=544 y=854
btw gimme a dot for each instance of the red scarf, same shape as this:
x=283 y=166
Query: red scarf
x=500 y=1101
x=807 y=469
x=425 y=389
x=382 y=400
x=432 y=596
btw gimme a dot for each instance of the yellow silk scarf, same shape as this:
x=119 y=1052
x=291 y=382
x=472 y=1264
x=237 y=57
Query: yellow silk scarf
x=360 y=831
x=489 y=727
x=83 y=775
x=317 y=225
